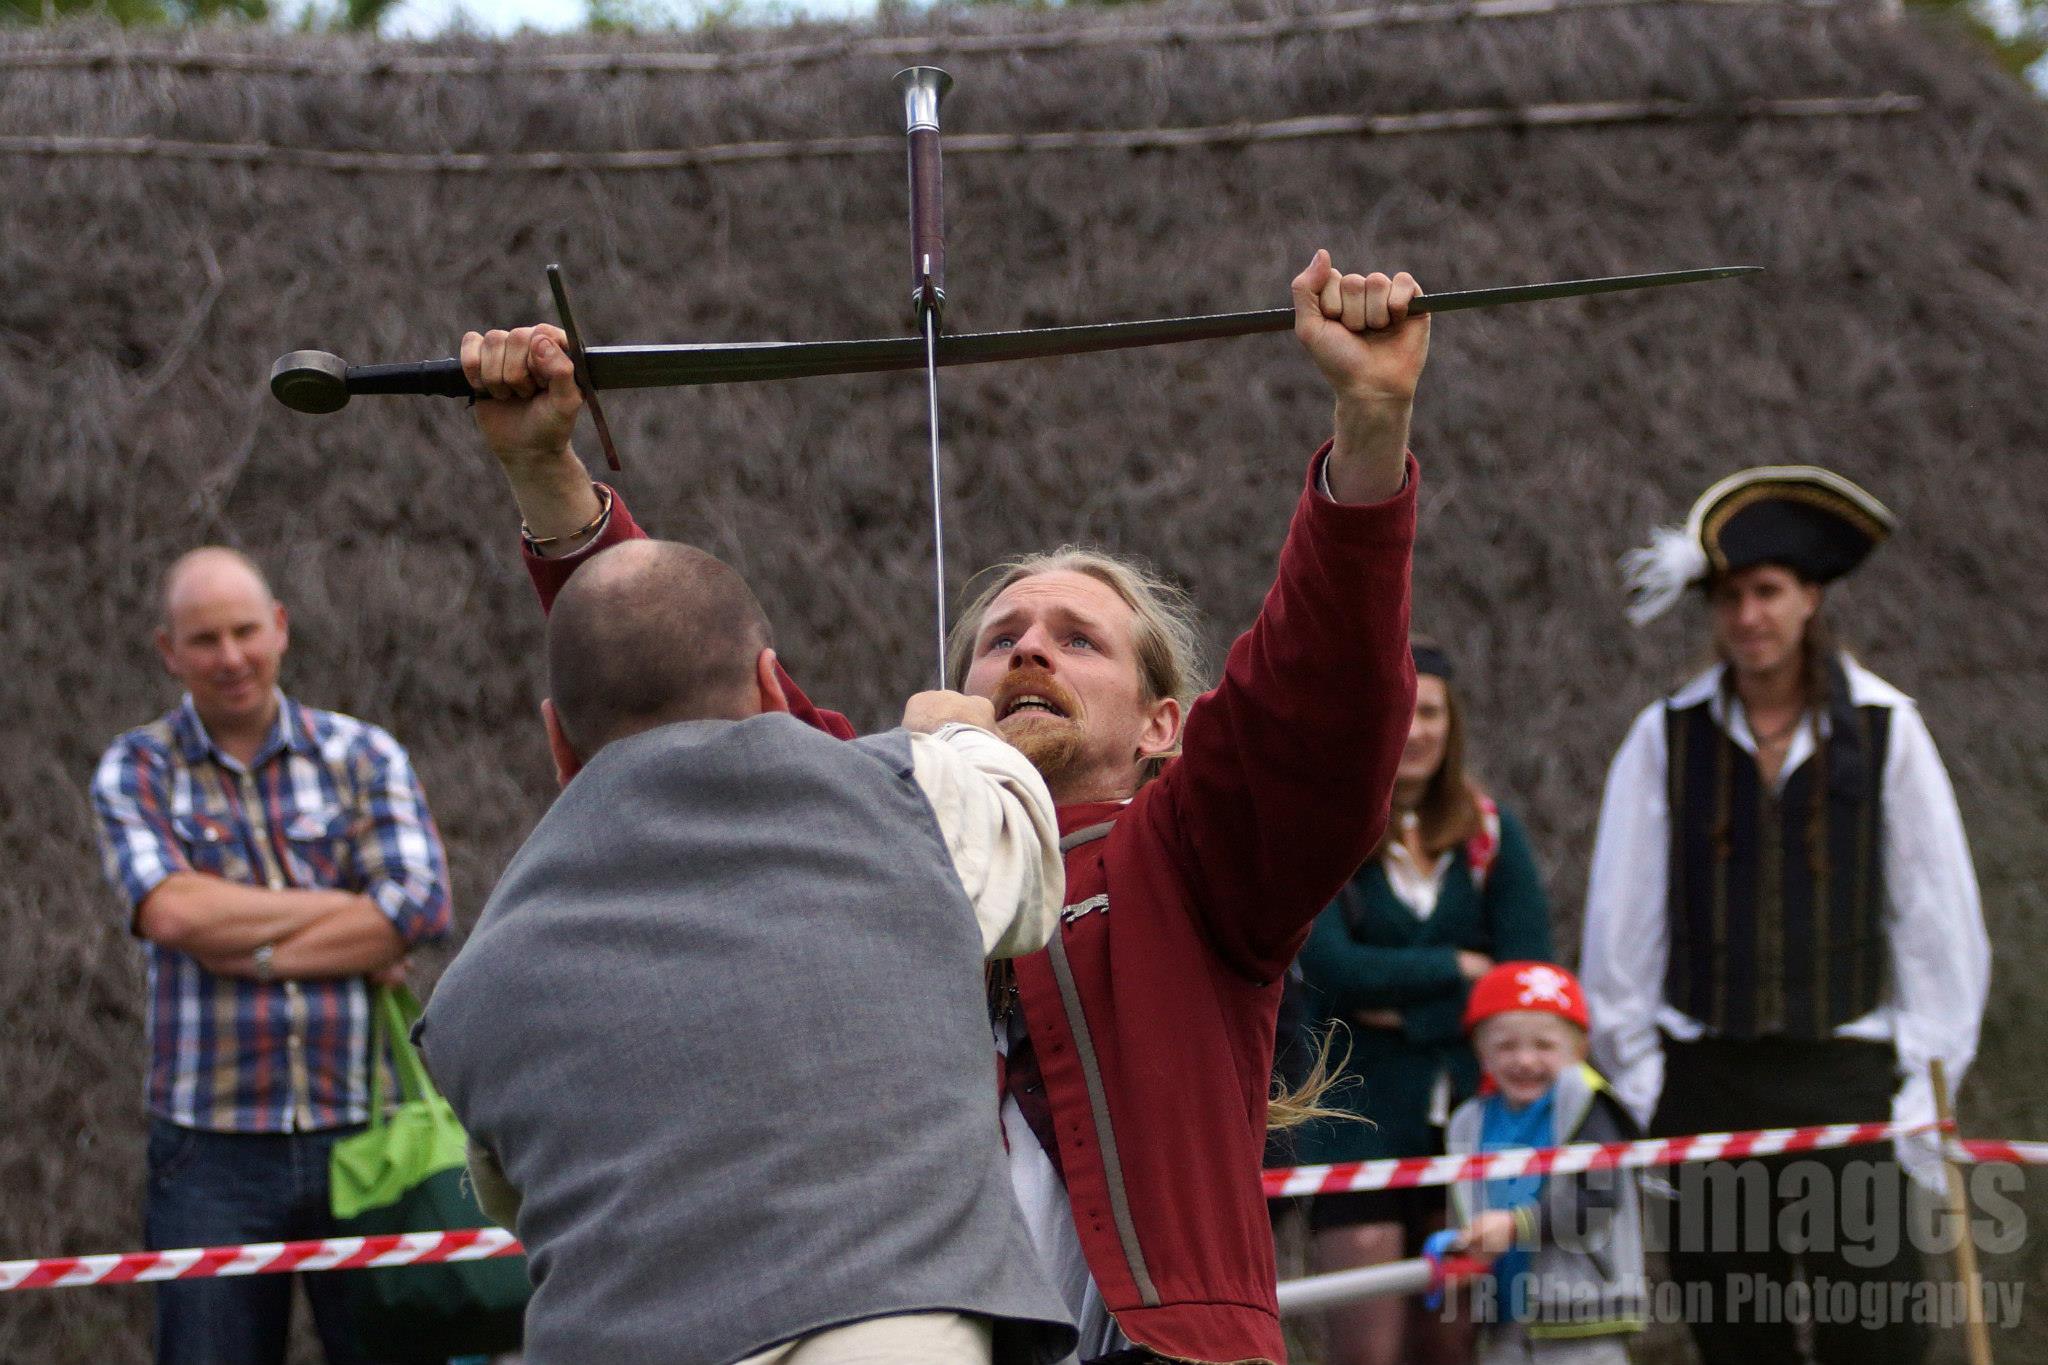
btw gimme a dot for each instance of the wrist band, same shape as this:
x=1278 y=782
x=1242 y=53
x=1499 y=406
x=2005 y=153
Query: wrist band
x=604 y=509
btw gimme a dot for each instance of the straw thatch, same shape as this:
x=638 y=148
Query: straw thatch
x=174 y=216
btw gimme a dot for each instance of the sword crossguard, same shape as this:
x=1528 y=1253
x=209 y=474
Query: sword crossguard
x=582 y=363
x=928 y=296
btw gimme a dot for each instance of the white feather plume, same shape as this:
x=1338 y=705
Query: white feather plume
x=1660 y=572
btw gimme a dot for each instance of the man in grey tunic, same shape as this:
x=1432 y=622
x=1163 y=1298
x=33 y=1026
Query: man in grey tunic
x=719 y=1037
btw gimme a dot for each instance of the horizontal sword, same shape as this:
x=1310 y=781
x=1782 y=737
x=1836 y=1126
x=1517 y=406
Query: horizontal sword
x=315 y=381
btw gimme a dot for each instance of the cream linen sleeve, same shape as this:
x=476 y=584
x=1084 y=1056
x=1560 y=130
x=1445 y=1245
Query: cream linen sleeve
x=494 y=1193
x=1626 y=943
x=1940 y=954
x=997 y=819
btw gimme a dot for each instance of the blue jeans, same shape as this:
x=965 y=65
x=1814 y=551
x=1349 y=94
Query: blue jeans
x=217 y=1189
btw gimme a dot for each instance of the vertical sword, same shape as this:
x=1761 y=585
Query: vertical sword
x=922 y=88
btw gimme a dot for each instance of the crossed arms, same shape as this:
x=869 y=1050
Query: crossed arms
x=313 y=932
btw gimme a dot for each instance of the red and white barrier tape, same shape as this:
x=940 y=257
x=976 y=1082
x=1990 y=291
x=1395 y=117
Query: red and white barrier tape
x=1402 y=1173
x=260 y=1258
x=2012 y=1153
x=475 y=1244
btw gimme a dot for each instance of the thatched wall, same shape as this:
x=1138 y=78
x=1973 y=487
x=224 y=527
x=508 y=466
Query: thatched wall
x=1898 y=338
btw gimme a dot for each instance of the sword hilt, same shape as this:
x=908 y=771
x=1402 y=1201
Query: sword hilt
x=316 y=382
x=319 y=382
x=922 y=88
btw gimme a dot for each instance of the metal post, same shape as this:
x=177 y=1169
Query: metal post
x=1386 y=1280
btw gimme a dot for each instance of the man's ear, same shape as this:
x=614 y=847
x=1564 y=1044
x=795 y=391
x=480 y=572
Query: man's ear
x=1816 y=598
x=284 y=627
x=163 y=649
x=567 y=764
x=768 y=683
x=1162 y=728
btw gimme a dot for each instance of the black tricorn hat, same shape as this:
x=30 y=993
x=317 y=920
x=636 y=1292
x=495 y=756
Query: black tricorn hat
x=1811 y=520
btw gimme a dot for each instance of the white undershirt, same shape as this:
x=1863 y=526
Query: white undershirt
x=1414 y=885
x=1049 y=1216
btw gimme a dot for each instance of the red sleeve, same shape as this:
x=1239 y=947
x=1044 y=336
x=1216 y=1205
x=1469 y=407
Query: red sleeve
x=1287 y=768
x=549 y=575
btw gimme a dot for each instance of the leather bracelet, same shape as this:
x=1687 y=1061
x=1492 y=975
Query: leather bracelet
x=604 y=510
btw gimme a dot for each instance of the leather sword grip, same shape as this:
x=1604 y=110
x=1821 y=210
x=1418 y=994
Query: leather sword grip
x=927 y=222
x=438 y=378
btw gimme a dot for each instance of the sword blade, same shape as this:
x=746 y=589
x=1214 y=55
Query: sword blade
x=637 y=367
x=1564 y=289
x=931 y=379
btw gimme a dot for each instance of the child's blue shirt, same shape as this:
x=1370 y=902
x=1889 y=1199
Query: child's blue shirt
x=1502 y=1127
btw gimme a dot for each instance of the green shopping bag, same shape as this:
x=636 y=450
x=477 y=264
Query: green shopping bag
x=407 y=1173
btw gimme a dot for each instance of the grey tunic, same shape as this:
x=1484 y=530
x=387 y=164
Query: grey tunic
x=723 y=1025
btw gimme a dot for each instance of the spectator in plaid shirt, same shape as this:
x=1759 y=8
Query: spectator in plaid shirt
x=276 y=860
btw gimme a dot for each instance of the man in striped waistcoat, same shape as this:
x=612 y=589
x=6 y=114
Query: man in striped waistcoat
x=1782 y=922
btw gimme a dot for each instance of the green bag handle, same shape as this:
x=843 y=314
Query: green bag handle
x=393 y=1013
x=399 y=1151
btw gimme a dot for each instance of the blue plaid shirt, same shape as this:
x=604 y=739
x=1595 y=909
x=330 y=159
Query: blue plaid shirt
x=328 y=802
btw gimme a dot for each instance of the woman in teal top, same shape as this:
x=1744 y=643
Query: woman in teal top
x=1452 y=889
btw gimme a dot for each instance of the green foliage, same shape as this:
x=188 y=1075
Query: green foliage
x=363 y=16
x=2017 y=31
x=137 y=12
x=675 y=16
x=343 y=16
x=632 y=16
x=318 y=16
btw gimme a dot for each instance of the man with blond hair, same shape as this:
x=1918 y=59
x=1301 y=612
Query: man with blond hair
x=274 y=859
x=1202 y=836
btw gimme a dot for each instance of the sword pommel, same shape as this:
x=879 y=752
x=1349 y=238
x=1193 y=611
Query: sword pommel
x=310 y=381
x=922 y=88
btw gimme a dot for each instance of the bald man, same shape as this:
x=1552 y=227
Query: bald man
x=720 y=1037
x=275 y=860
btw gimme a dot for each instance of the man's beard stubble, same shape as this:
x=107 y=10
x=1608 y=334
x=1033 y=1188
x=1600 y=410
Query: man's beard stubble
x=1051 y=743
x=1055 y=745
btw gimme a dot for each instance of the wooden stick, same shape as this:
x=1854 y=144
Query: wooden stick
x=1527 y=117
x=1977 y=1337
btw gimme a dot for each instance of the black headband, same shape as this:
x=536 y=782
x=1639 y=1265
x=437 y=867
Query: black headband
x=1431 y=661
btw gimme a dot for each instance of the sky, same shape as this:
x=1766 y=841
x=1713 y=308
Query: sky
x=425 y=18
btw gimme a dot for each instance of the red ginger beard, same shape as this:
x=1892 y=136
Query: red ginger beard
x=1055 y=744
